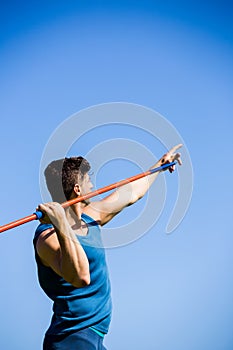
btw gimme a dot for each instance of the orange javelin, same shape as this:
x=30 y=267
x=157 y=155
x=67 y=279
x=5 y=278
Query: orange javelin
x=38 y=214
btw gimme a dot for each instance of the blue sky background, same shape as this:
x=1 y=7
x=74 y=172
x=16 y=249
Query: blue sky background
x=170 y=292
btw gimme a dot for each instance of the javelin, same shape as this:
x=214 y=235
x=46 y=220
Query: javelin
x=38 y=214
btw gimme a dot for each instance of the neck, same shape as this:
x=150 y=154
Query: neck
x=73 y=214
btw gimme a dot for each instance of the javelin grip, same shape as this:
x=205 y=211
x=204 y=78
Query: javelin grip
x=162 y=167
x=39 y=214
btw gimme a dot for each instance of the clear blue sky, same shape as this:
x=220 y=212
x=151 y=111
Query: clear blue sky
x=170 y=292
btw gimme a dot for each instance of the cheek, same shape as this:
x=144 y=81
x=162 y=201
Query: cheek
x=89 y=187
x=85 y=188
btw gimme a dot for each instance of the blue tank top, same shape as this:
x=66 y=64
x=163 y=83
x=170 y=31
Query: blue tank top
x=78 y=308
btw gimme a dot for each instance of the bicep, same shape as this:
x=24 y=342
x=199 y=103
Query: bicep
x=48 y=249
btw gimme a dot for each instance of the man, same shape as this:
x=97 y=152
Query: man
x=69 y=254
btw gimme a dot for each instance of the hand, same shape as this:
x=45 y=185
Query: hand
x=54 y=213
x=172 y=156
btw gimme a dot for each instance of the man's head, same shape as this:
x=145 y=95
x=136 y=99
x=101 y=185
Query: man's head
x=66 y=177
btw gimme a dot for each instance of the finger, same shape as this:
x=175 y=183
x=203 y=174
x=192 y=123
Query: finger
x=175 y=148
x=172 y=168
x=179 y=161
x=44 y=208
x=41 y=207
x=177 y=157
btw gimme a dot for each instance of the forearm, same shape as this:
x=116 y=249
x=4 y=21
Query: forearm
x=130 y=193
x=73 y=262
x=139 y=187
x=124 y=196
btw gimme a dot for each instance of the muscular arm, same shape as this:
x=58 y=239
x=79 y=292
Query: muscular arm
x=126 y=195
x=59 y=248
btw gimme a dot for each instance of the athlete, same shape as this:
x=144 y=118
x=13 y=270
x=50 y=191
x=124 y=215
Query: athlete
x=70 y=257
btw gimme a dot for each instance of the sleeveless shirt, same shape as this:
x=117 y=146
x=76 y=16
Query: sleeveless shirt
x=78 y=308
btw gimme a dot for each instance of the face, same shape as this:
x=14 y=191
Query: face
x=86 y=186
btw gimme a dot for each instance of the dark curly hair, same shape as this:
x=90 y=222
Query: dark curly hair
x=61 y=175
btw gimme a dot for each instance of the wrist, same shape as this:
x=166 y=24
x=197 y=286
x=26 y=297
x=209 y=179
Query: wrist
x=62 y=227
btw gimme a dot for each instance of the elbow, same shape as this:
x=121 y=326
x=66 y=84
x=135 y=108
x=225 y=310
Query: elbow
x=81 y=281
x=85 y=280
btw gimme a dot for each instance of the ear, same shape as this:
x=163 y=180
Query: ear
x=77 y=190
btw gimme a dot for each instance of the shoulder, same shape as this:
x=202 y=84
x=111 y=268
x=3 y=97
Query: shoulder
x=90 y=216
x=41 y=228
x=46 y=243
x=44 y=236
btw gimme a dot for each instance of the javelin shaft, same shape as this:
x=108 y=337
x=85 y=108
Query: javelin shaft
x=38 y=215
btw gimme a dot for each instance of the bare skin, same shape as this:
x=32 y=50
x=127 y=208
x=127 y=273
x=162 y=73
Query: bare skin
x=59 y=247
